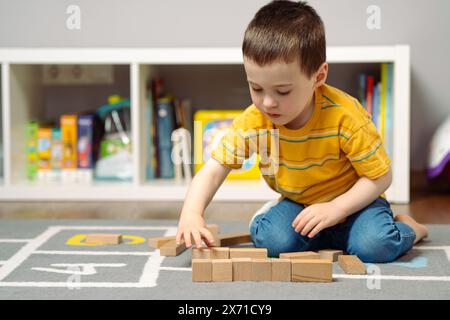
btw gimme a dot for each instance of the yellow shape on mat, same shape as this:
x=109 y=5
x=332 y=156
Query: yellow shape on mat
x=78 y=240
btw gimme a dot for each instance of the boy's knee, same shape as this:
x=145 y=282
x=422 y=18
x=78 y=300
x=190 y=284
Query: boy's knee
x=375 y=248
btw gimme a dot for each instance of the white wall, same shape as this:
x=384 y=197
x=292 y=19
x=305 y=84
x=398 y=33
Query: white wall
x=424 y=25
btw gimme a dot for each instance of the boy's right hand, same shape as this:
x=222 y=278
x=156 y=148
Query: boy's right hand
x=192 y=228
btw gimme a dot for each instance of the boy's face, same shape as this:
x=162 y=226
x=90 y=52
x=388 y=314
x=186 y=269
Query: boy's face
x=282 y=92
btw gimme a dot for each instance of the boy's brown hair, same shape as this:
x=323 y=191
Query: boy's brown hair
x=285 y=30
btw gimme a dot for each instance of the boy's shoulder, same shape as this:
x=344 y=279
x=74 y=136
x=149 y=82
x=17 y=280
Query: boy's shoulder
x=251 y=119
x=339 y=106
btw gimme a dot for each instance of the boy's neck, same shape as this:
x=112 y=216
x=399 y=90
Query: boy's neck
x=303 y=118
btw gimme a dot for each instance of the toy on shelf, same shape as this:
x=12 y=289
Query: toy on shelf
x=115 y=161
x=214 y=124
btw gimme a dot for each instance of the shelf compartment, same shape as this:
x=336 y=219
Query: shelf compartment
x=33 y=97
x=205 y=86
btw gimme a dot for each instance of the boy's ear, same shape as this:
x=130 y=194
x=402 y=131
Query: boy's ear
x=321 y=75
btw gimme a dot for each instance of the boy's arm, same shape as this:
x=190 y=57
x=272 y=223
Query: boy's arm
x=200 y=193
x=319 y=216
x=362 y=193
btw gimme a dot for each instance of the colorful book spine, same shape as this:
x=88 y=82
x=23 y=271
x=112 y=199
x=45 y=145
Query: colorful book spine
x=389 y=111
x=56 y=150
x=85 y=135
x=32 y=149
x=69 y=141
x=384 y=77
x=376 y=105
x=165 y=128
x=44 y=148
x=157 y=89
x=362 y=89
x=369 y=94
x=150 y=130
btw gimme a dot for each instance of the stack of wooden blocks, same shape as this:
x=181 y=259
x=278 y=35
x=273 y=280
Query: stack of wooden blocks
x=252 y=264
x=222 y=263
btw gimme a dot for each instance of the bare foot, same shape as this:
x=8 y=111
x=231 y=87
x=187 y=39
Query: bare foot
x=420 y=230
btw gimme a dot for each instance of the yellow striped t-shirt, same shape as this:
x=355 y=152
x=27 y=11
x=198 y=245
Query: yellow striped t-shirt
x=317 y=162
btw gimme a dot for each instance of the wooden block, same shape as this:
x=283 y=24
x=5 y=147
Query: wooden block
x=311 y=270
x=201 y=253
x=103 y=238
x=232 y=239
x=261 y=269
x=211 y=253
x=201 y=270
x=242 y=269
x=351 y=264
x=220 y=253
x=281 y=270
x=330 y=254
x=171 y=249
x=157 y=242
x=222 y=270
x=300 y=255
x=254 y=253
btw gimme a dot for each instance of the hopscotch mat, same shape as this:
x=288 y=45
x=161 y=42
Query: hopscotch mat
x=49 y=260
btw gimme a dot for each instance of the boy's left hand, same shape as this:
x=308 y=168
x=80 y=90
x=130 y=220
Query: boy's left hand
x=311 y=220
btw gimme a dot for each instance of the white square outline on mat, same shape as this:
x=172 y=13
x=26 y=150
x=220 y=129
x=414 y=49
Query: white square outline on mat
x=148 y=277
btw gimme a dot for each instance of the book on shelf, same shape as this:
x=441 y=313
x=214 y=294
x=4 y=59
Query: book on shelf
x=377 y=99
x=151 y=161
x=157 y=91
x=44 y=148
x=165 y=127
x=369 y=94
x=376 y=105
x=362 y=89
x=85 y=137
x=69 y=141
x=164 y=115
x=389 y=110
x=86 y=147
x=31 y=135
x=56 y=150
x=67 y=153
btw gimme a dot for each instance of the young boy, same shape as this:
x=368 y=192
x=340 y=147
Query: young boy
x=330 y=165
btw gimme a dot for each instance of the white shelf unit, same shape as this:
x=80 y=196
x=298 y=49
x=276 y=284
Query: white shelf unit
x=18 y=92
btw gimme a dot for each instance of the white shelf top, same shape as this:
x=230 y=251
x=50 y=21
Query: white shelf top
x=154 y=191
x=335 y=54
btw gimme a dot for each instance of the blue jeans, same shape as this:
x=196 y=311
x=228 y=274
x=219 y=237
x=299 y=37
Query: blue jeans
x=371 y=233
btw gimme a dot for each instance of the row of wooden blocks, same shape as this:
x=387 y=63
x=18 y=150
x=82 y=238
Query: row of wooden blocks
x=248 y=269
x=252 y=264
